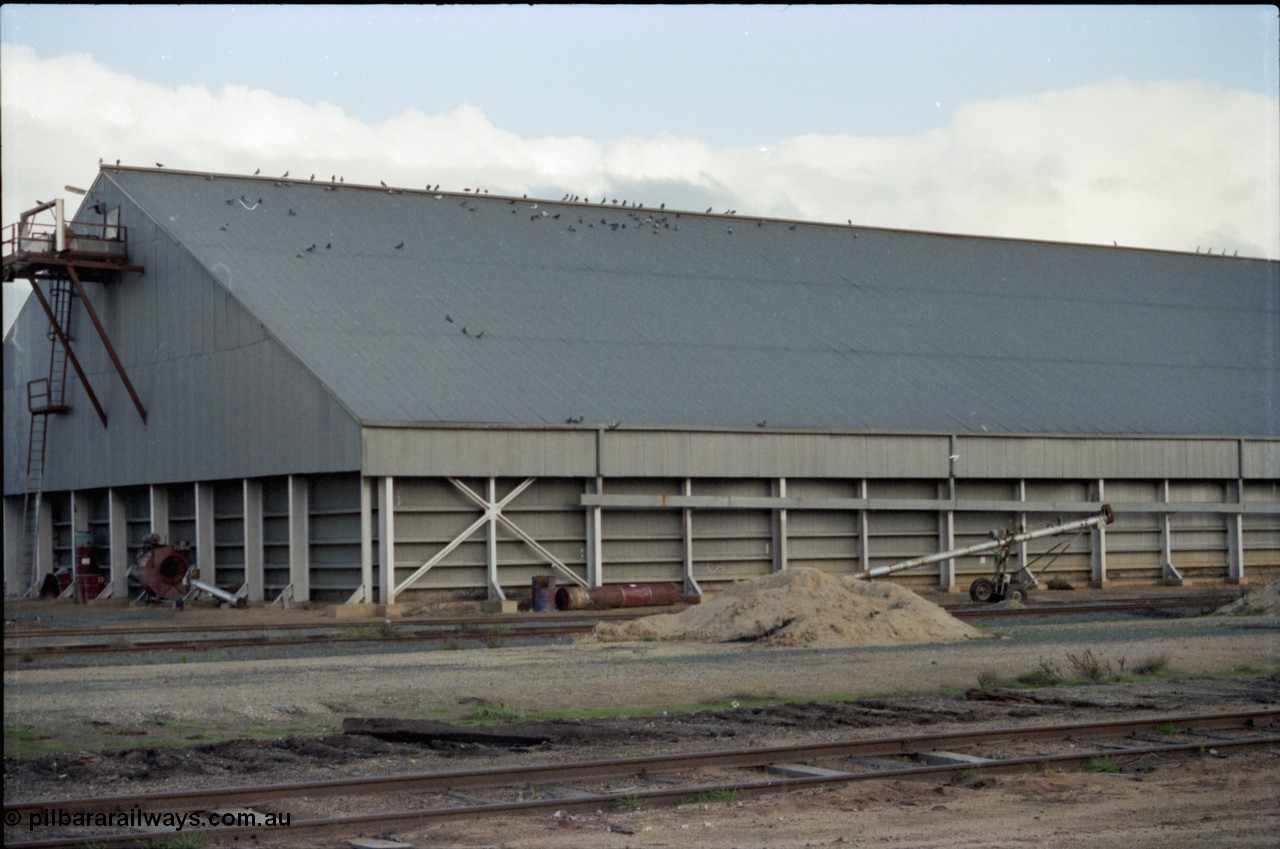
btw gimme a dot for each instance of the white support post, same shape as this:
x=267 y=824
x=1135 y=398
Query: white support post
x=595 y=542
x=947 y=534
x=206 y=541
x=254 y=577
x=1098 y=545
x=779 y=527
x=1021 y=523
x=1235 y=538
x=686 y=521
x=386 y=539
x=492 y=581
x=365 y=593
x=864 y=544
x=118 y=543
x=299 y=538
x=160 y=512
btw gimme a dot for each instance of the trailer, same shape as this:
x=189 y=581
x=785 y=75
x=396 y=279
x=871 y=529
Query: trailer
x=1001 y=585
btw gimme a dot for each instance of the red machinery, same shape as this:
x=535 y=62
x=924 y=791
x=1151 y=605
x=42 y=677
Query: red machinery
x=166 y=573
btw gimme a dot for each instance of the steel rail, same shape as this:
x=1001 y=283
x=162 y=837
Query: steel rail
x=428 y=816
x=546 y=773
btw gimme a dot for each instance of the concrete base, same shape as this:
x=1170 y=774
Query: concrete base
x=355 y=611
x=505 y=605
x=692 y=599
x=1100 y=585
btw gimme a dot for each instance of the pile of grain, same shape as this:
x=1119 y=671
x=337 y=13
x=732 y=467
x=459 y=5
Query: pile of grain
x=1264 y=601
x=801 y=608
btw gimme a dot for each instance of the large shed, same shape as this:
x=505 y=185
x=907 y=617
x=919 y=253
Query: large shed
x=348 y=393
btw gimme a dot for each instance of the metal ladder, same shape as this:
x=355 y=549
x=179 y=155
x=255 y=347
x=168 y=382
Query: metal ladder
x=45 y=396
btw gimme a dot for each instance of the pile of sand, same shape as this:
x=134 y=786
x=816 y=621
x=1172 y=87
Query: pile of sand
x=1264 y=601
x=801 y=608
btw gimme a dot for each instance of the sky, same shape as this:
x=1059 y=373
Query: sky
x=1143 y=126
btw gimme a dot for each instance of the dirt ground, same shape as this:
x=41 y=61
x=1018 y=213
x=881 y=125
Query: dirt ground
x=167 y=719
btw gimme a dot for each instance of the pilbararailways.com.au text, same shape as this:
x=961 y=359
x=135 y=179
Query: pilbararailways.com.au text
x=138 y=818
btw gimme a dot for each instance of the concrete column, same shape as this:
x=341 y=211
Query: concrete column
x=160 y=513
x=779 y=523
x=254 y=555
x=595 y=542
x=299 y=538
x=206 y=542
x=864 y=543
x=686 y=523
x=365 y=593
x=386 y=540
x=118 y=542
x=1098 y=545
x=1235 y=538
x=492 y=580
x=16 y=573
x=947 y=534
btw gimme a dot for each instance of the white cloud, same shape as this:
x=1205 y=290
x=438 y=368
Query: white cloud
x=1167 y=165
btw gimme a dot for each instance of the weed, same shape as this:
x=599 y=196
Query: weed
x=631 y=803
x=1151 y=665
x=496 y=637
x=722 y=794
x=1167 y=728
x=28 y=657
x=451 y=644
x=1090 y=666
x=989 y=679
x=1102 y=765
x=965 y=775
x=384 y=630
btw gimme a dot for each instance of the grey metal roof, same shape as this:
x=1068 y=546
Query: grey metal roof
x=655 y=317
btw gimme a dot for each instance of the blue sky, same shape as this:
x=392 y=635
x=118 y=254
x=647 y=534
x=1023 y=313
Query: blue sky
x=1151 y=126
x=732 y=75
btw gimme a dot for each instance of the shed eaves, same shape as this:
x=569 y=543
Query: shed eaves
x=437 y=307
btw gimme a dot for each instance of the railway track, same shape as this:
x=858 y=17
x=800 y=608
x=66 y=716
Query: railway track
x=28 y=644
x=663 y=779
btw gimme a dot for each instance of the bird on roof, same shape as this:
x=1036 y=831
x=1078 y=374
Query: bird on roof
x=480 y=335
x=400 y=246
x=117 y=163
x=328 y=245
x=257 y=171
x=99 y=161
x=158 y=165
x=285 y=174
x=313 y=177
x=312 y=248
x=464 y=331
x=383 y=184
x=224 y=227
x=448 y=318
x=708 y=209
x=291 y=212
x=613 y=425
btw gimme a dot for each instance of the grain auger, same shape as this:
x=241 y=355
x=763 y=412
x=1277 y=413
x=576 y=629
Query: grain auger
x=1002 y=585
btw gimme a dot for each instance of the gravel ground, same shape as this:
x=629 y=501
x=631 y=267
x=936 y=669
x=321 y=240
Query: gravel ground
x=882 y=690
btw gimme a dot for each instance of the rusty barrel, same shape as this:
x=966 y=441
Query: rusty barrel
x=636 y=595
x=571 y=598
x=544 y=592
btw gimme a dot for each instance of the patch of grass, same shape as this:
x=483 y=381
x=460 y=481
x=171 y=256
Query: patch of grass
x=182 y=841
x=631 y=803
x=1167 y=728
x=451 y=644
x=484 y=712
x=1102 y=765
x=965 y=775
x=723 y=794
x=1048 y=675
